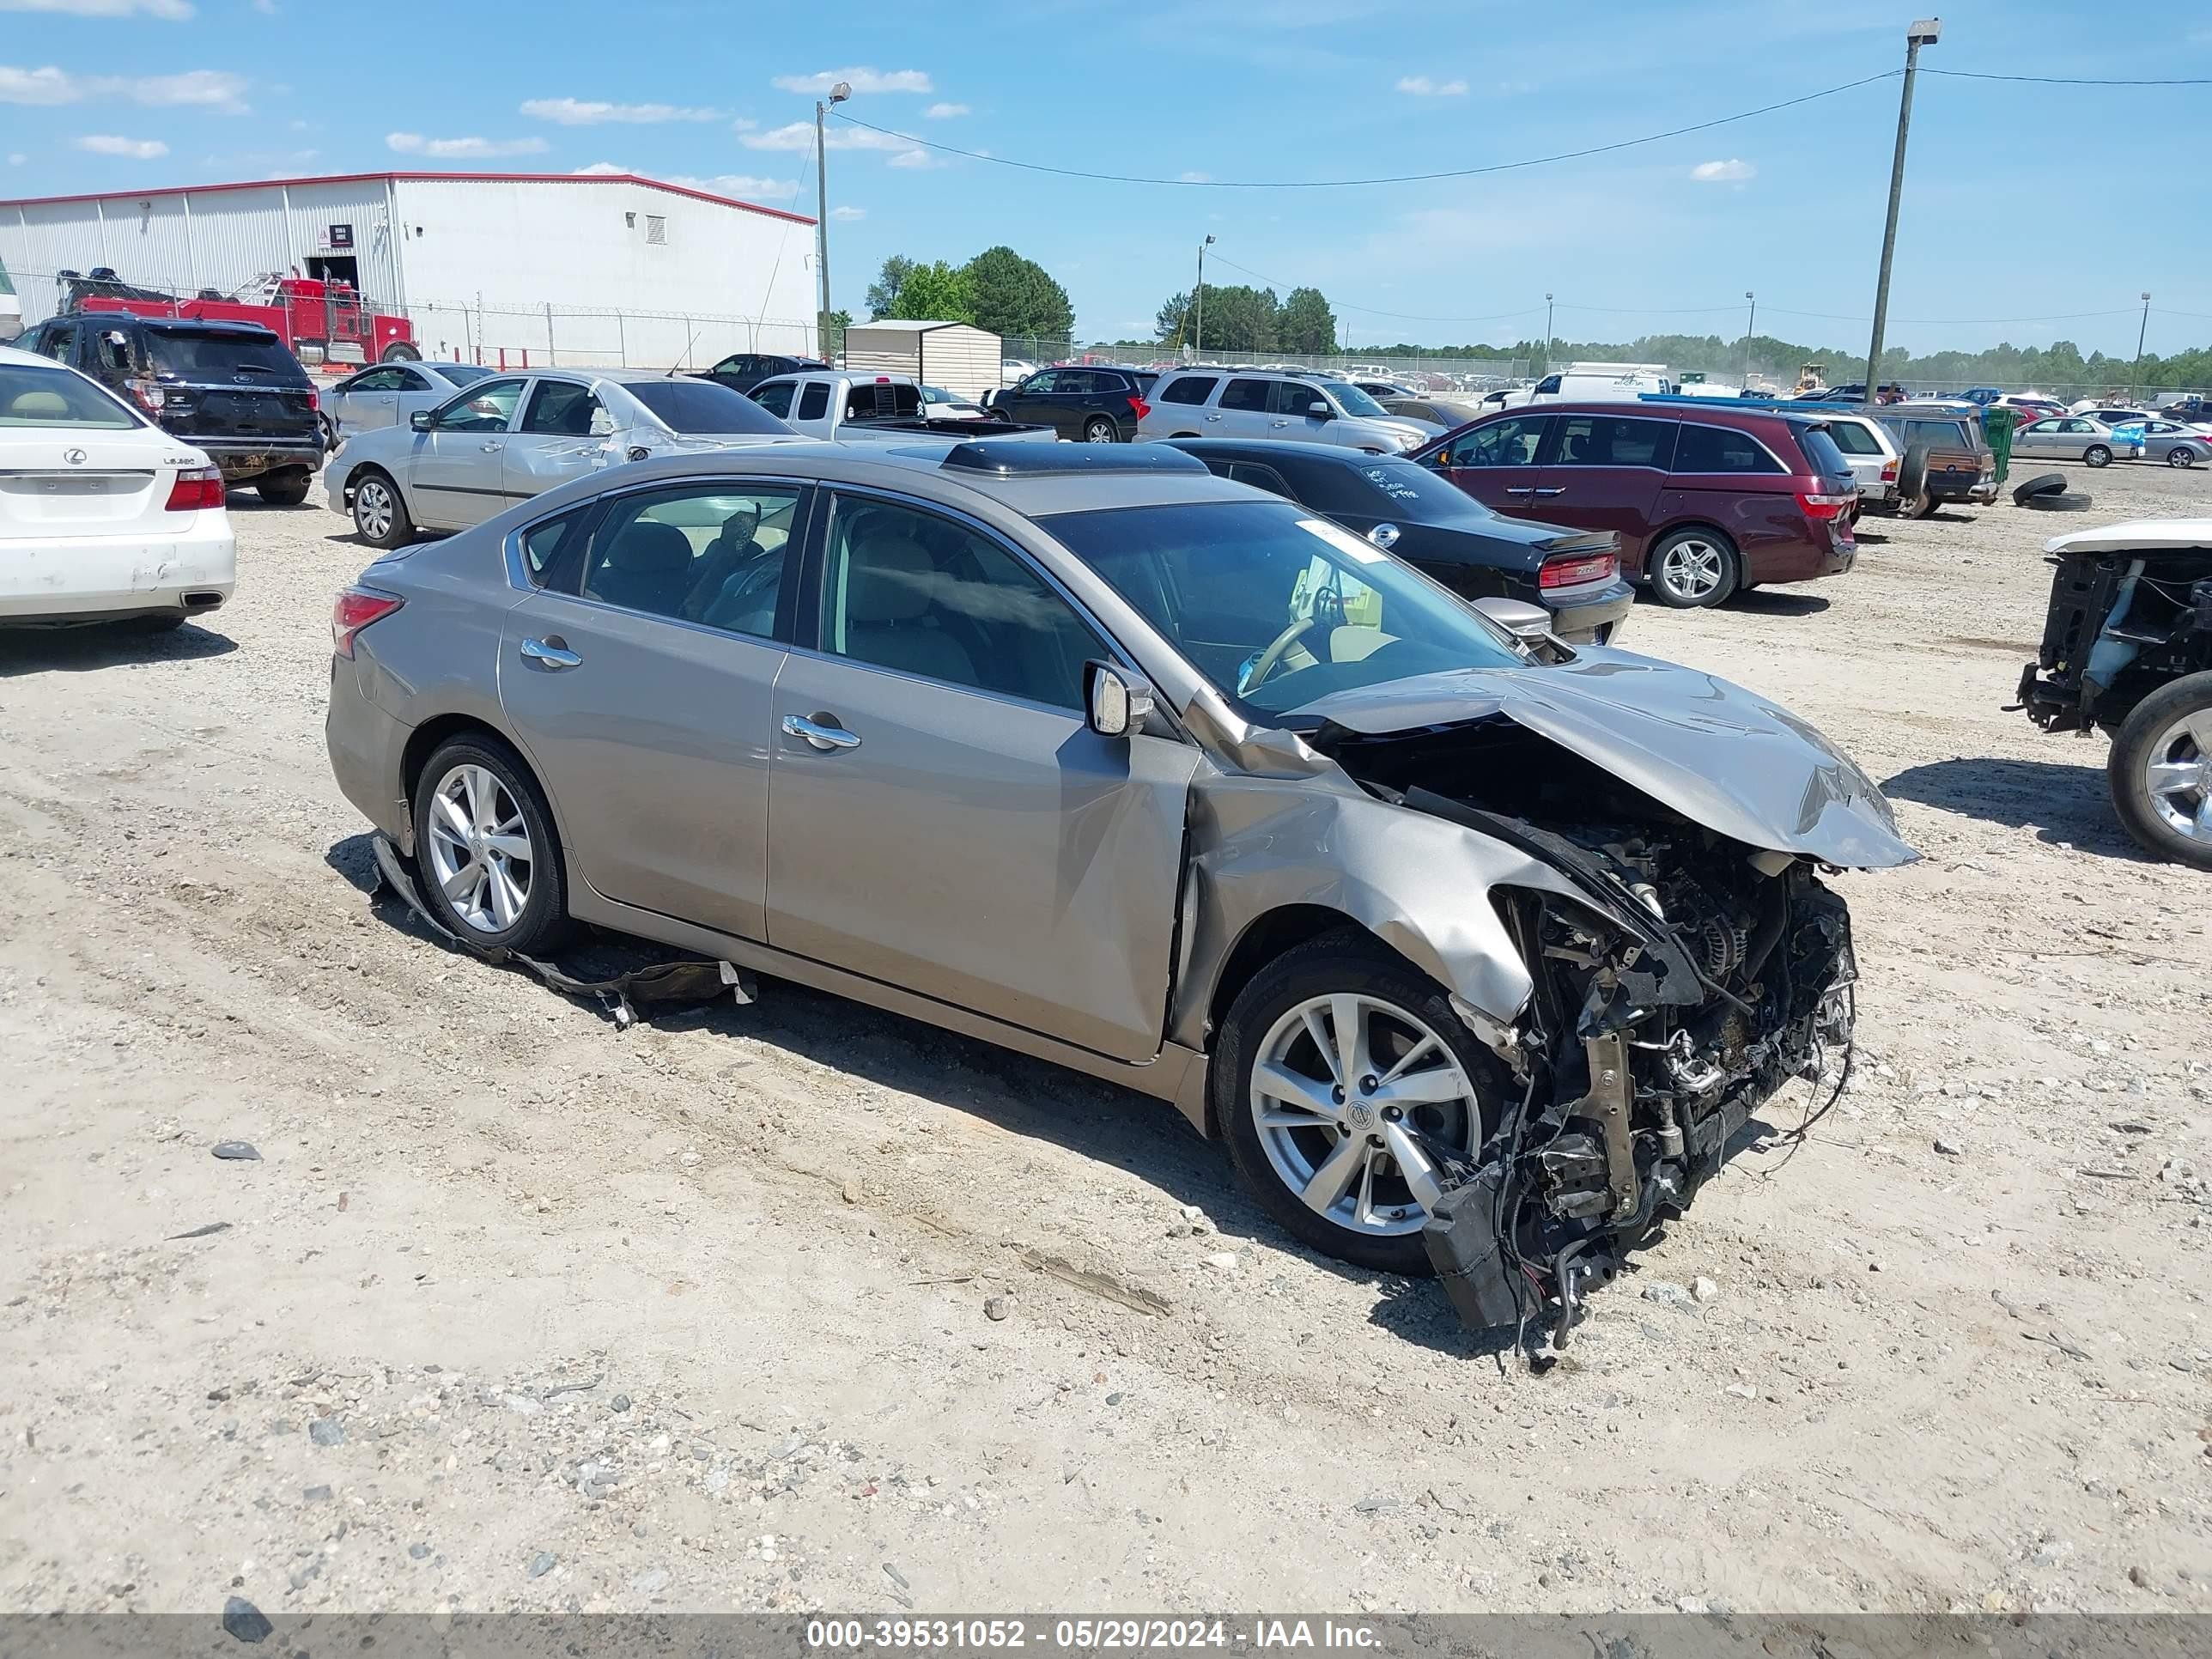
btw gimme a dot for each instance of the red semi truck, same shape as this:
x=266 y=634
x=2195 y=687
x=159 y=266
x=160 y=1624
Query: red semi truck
x=320 y=321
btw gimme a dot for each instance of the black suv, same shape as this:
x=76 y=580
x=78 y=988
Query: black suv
x=231 y=389
x=742 y=371
x=1089 y=404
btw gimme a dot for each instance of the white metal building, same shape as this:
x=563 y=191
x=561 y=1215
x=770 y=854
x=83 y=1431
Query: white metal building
x=584 y=268
x=961 y=358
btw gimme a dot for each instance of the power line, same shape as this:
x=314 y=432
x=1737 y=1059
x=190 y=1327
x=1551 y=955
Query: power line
x=1347 y=184
x=1958 y=322
x=2068 y=80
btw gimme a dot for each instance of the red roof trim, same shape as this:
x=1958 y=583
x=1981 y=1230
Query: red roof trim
x=417 y=178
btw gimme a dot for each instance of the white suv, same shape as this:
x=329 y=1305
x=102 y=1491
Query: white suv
x=1205 y=403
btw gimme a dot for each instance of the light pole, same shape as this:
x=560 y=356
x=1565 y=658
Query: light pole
x=838 y=94
x=1750 y=324
x=1547 y=336
x=1924 y=32
x=2134 y=375
x=1198 y=335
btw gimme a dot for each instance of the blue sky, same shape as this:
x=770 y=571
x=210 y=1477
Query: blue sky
x=2025 y=205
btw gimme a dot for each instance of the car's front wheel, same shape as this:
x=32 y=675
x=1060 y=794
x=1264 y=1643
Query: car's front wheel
x=1340 y=1078
x=2160 y=771
x=485 y=846
x=1693 y=570
x=379 y=512
x=2097 y=455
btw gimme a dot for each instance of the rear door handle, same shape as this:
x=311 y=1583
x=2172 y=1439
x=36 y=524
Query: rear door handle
x=551 y=654
x=823 y=736
x=1556 y=489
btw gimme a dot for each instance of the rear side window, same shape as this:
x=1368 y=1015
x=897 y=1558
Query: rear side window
x=561 y=409
x=193 y=356
x=814 y=401
x=1248 y=395
x=1940 y=432
x=1721 y=449
x=1190 y=389
x=1614 y=441
x=1853 y=439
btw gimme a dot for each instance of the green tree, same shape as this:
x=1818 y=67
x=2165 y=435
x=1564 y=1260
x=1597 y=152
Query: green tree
x=835 y=342
x=1172 y=323
x=1238 y=319
x=1306 y=323
x=1017 y=298
x=935 y=293
x=883 y=292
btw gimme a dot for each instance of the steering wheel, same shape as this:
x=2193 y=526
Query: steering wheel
x=1274 y=654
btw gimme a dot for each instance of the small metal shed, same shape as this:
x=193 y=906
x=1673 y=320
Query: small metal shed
x=959 y=357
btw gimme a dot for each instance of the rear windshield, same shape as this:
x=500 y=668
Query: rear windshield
x=1854 y=439
x=1389 y=487
x=701 y=406
x=202 y=356
x=30 y=395
x=464 y=373
x=1820 y=447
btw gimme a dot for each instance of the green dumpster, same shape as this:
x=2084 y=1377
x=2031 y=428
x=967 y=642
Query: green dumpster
x=1997 y=428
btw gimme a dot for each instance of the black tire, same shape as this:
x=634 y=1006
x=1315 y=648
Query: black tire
x=1921 y=506
x=2043 y=484
x=1335 y=962
x=1911 y=475
x=1730 y=573
x=2096 y=455
x=1101 y=429
x=398 y=529
x=283 y=488
x=400 y=352
x=2126 y=769
x=543 y=924
x=2181 y=455
x=166 y=621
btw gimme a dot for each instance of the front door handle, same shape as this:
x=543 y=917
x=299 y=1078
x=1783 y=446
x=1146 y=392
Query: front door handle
x=491 y=449
x=1278 y=423
x=1516 y=490
x=823 y=731
x=1556 y=489
x=551 y=654
x=1213 y=417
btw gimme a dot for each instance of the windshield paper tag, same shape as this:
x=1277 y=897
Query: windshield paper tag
x=1343 y=541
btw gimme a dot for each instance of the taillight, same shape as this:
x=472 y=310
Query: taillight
x=1139 y=407
x=315 y=399
x=147 y=394
x=1825 y=506
x=196 y=489
x=1576 y=569
x=1889 y=472
x=355 y=609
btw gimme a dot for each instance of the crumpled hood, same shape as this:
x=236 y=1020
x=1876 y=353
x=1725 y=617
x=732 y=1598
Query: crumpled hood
x=1719 y=754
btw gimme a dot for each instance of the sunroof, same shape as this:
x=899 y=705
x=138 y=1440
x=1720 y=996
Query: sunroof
x=1010 y=458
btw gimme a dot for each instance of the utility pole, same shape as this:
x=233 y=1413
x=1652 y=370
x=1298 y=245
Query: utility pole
x=2134 y=375
x=1198 y=338
x=1924 y=33
x=1750 y=325
x=838 y=94
x=1547 y=369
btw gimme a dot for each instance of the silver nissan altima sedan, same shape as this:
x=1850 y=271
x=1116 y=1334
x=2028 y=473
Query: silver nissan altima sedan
x=1475 y=948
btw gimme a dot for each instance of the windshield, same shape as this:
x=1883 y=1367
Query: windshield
x=220 y=356
x=701 y=406
x=1351 y=400
x=464 y=373
x=53 y=397
x=1275 y=607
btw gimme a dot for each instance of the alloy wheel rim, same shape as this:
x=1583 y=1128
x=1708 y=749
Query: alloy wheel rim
x=2180 y=457
x=1691 y=569
x=1347 y=1092
x=1098 y=432
x=480 y=850
x=2178 y=776
x=372 y=506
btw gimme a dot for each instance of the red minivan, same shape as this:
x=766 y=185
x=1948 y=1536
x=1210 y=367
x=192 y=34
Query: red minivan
x=1707 y=502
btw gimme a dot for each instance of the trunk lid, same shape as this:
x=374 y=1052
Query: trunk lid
x=64 y=481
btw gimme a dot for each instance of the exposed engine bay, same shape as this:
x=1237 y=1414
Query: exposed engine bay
x=1694 y=978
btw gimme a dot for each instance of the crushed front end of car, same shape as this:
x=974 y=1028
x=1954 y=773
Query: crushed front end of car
x=1659 y=866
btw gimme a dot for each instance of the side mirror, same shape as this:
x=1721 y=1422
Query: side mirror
x=1522 y=620
x=1320 y=409
x=1119 y=701
x=420 y=420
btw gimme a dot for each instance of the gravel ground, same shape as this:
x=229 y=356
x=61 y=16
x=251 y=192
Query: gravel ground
x=514 y=1311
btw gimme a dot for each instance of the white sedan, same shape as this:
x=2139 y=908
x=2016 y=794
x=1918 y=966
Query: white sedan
x=104 y=517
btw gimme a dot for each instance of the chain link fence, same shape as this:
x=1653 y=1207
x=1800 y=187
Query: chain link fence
x=1468 y=373
x=583 y=337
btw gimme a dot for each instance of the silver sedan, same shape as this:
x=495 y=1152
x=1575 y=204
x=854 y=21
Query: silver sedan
x=2077 y=438
x=2176 y=443
x=388 y=394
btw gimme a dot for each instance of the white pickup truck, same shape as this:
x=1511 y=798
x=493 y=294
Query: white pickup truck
x=823 y=404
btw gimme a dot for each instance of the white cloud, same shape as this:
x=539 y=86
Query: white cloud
x=849 y=213
x=600 y=168
x=1419 y=86
x=216 y=89
x=577 y=113
x=744 y=185
x=915 y=160
x=138 y=149
x=1196 y=177
x=861 y=80
x=743 y=124
x=944 y=112
x=1722 y=173
x=17 y=158
x=172 y=11
x=800 y=135
x=461 y=149
x=266 y=8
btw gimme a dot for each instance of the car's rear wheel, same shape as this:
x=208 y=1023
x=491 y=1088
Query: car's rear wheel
x=1340 y=1076
x=1694 y=569
x=379 y=512
x=2160 y=771
x=1100 y=430
x=2097 y=455
x=400 y=352
x=485 y=846
x=2181 y=455
x=283 y=488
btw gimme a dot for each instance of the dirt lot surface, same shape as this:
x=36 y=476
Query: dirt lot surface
x=515 y=1310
